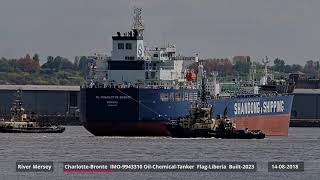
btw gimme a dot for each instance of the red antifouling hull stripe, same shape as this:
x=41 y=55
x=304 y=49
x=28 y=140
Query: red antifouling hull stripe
x=275 y=125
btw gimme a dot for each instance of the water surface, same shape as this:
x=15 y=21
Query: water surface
x=76 y=144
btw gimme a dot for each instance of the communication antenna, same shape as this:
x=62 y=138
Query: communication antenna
x=137 y=21
x=266 y=62
x=253 y=71
x=196 y=58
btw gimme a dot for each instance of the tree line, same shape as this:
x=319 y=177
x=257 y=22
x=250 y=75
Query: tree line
x=243 y=69
x=55 y=71
x=60 y=71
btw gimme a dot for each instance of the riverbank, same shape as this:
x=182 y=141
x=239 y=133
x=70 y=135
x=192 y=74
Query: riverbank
x=305 y=123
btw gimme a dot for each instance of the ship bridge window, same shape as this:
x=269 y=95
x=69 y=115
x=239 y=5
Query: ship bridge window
x=128 y=46
x=155 y=55
x=120 y=46
x=129 y=57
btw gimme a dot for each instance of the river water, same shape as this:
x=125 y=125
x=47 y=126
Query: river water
x=76 y=144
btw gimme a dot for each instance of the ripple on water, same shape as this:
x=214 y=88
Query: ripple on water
x=76 y=144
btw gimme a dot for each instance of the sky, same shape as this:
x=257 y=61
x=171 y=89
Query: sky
x=287 y=29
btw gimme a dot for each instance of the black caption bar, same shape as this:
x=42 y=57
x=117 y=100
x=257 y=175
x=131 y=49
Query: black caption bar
x=160 y=167
x=285 y=166
x=34 y=166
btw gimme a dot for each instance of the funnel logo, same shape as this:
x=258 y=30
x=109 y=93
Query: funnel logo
x=140 y=50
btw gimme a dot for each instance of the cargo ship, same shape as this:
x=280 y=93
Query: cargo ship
x=137 y=90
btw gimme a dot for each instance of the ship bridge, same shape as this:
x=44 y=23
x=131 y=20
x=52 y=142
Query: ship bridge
x=133 y=64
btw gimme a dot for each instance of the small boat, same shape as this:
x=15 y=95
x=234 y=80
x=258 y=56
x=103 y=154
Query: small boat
x=21 y=123
x=200 y=123
x=28 y=127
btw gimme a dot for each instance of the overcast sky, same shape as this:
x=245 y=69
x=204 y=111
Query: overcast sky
x=288 y=29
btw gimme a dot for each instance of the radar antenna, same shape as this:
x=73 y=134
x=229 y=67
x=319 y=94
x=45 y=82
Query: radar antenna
x=137 y=21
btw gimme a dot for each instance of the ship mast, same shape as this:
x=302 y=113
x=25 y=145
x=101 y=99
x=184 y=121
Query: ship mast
x=203 y=90
x=202 y=84
x=253 y=71
x=137 y=21
x=17 y=110
x=265 y=62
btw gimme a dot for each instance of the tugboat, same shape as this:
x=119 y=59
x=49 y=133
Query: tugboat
x=226 y=129
x=197 y=124
x=200 y=123
x=21 y=123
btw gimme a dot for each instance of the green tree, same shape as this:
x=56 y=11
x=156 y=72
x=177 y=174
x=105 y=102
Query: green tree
x=58 y=63
x=243 y=68
x=50 y=59
x=310 y=68
x=83 y=64
x=4 y=65
x=296 y=68
x=36 y=58
x=279 y=65
x=287 y=69
x=76 y=61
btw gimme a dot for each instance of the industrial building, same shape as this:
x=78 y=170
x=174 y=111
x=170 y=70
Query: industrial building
x=306 y=104
x=59 y=102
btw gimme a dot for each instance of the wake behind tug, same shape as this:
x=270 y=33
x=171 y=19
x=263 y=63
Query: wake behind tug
x=21 y=123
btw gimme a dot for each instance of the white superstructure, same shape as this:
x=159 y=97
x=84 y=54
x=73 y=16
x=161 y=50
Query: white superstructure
x=132 y=64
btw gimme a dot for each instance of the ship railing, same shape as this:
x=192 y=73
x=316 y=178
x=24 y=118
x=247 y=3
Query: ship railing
x=249 y=95
x=119 y=86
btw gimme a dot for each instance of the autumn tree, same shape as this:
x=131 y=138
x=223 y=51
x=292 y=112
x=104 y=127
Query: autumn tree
x=28 y=65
